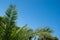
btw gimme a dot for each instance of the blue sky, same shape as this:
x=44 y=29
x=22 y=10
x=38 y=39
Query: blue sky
x=36 y=13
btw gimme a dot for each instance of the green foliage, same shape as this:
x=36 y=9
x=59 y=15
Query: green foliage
x=10 y=31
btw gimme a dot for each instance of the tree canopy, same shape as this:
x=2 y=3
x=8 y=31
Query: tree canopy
x=10 y=31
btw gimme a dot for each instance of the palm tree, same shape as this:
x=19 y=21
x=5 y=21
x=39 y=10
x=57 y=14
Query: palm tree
x=10 y=30
x=43 y=33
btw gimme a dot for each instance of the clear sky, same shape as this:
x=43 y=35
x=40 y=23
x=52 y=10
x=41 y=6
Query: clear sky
x=36 y=13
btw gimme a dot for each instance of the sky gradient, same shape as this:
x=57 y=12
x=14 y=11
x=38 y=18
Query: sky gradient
x=35 y=13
